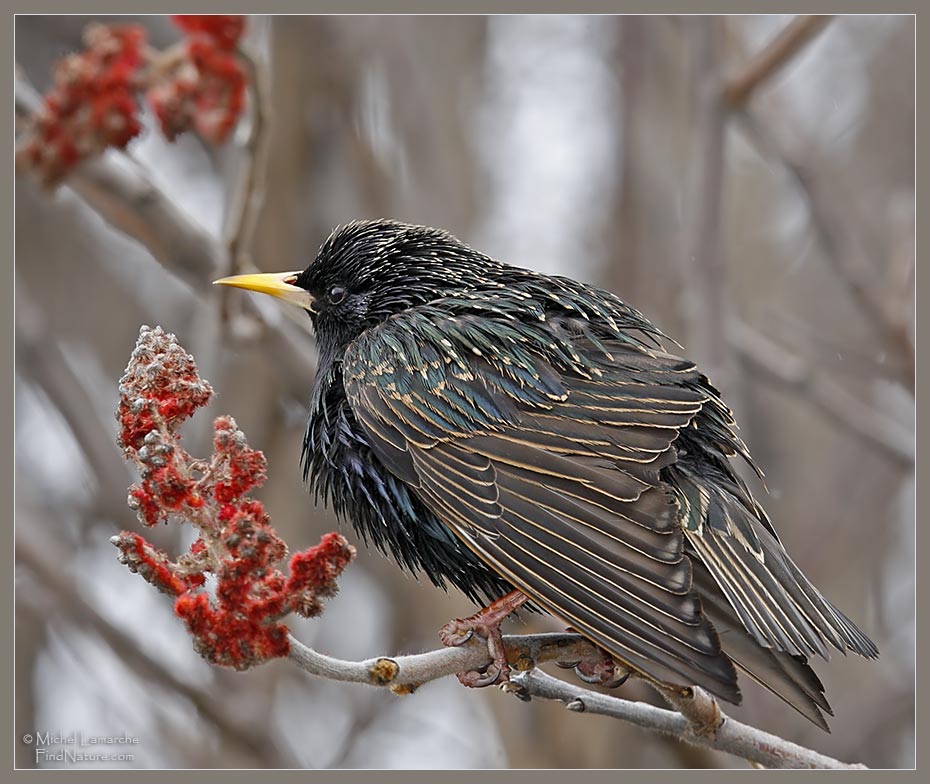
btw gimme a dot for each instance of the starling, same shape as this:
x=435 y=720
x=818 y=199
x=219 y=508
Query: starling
x=528 y=436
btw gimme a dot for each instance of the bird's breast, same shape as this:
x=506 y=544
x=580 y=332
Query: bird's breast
x=341 y=470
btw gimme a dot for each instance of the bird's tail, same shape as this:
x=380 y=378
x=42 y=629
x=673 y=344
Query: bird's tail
x=787 y=676
x=781 y=609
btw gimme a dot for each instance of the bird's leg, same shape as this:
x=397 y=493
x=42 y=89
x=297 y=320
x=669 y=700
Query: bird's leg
x=485 y=623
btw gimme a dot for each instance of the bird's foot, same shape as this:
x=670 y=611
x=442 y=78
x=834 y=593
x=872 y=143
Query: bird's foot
x=486 y=624
x=599 y=668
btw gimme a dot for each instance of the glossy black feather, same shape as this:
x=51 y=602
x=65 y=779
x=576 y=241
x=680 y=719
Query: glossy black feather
x=496 y=428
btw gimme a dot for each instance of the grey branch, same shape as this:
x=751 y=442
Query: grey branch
x=852 y=266
x=768 y=61
x=698 y=719
x=248 y=194
x=793 y=373
x=119 y=189
x=707 y=283
x=731 y=736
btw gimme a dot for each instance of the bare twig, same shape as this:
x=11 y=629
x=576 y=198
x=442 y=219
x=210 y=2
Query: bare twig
x=248 y=194
x=704 y=725
x=778 y=53
x=697 y=706
x=840 y=251
x=405 y=673
x=794 y=373
x=731 y=736
x=706 y=288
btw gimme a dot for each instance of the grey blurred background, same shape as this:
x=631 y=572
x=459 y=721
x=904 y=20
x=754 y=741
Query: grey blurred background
x=776 y=245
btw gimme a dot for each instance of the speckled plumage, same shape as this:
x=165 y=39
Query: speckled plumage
x=494 y=428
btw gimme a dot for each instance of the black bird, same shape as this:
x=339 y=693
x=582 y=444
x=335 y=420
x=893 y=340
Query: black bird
x=501 y=430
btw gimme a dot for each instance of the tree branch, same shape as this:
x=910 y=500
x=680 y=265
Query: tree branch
x=707 y=285
x=795 y=374
x=843 y=255
x=405 y=673
x=43 y=361
x=249 y=191
x=767 y=62
x=698 y=720
x=118 y=188
x=732 y=737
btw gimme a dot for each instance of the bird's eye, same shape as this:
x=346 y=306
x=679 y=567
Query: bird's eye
x=336 y=295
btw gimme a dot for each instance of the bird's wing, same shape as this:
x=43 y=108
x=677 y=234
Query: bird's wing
x=541 y=450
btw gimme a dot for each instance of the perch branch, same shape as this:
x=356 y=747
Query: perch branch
x=404 y=673
x=775 y=56
x=732 y=737
x=701 y=722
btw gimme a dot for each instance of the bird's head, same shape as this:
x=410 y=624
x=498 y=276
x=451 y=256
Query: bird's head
x=367 y=271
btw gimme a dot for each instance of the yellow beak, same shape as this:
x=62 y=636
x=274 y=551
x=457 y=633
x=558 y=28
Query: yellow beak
x=277 y=284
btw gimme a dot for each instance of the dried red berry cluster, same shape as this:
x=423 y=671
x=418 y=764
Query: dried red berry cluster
x=91 y=105
x=206 y=92
x=224 y=31
x=240 y=625
x=199 y=85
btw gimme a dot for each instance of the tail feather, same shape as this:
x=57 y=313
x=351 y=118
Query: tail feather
x=788 y=676
x=776 y=603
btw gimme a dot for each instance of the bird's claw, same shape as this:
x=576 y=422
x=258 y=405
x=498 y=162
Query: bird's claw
x=601 y=670
x=460 y=631
x=478 y=680
x=605 y=674
x=486 y=625
x=456 y=633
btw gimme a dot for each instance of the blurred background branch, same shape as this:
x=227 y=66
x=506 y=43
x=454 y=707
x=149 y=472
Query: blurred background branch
x=248 y=194
x=889 y=316
x=879 y=429
x=772 y=58
x=71 y=606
